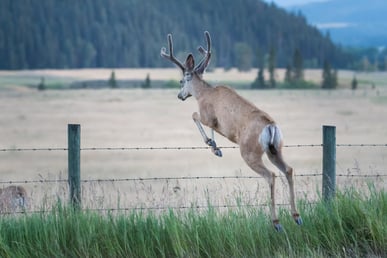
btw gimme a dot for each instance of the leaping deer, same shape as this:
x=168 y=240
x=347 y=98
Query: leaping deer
x=237 y=119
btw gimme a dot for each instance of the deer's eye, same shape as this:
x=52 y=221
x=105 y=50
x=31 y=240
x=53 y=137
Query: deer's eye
x=188 y=76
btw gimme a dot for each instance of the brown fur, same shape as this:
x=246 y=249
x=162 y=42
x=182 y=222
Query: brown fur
x=242 y=123
x=12 y=199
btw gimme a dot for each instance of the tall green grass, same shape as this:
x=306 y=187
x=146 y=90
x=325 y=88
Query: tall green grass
x=352 y=225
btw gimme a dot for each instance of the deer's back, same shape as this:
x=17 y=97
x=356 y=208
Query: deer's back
x=231 y=115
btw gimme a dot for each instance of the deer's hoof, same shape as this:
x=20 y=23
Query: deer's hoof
x=277 y=226
x=211 y=143
x=217 y=152
x=297 y=219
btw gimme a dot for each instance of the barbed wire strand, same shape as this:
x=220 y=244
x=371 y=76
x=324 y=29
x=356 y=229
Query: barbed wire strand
x=141 y=179
x=10 y=182
x=172 y=178
x=180 y=147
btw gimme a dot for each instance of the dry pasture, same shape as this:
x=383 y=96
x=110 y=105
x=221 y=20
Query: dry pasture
x=156 y=118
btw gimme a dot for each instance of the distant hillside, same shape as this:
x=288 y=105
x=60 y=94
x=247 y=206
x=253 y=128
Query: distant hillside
x=350 y=22
x=130 y=33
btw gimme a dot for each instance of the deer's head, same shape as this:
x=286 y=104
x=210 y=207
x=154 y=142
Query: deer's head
x=188 y=68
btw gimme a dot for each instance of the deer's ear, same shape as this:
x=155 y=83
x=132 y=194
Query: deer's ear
x=190 y=62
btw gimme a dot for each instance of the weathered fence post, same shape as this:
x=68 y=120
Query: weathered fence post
x=329 y=162
x=74 y=164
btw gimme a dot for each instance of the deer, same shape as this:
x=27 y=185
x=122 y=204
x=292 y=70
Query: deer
x=224 y=111
x=12 y=199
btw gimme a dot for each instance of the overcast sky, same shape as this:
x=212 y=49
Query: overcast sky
x=286 y=3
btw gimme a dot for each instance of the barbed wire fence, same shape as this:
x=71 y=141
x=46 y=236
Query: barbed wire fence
x=73 y=192
x=180 y=147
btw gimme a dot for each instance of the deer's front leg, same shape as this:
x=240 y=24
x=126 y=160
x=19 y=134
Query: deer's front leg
x=210 y=142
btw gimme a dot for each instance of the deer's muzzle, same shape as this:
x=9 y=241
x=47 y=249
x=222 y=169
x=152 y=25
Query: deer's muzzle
x=183 y=96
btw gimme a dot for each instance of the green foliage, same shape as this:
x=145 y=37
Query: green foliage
x=243 y=56
x=259 y=82
x=368 y=59
x=271 y=67
x=147 y=82
x=288 y=74
x=329 y=77
x=351 y=225
x=172 y=84
x=297 y=85
x=298 y=66
x=41 y=85
x=354 y=83
x=130 y=33
x=294 y=75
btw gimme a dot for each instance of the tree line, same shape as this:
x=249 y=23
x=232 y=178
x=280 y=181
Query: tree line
x=130 y=33
x=294 y=74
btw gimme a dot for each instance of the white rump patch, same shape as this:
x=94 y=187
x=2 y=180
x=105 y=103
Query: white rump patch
x=270 y=135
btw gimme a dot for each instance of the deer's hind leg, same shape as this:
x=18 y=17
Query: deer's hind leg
x=278 y=161
x=254 y=161
x=209 y=141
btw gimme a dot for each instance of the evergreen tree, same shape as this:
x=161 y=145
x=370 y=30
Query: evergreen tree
x=271 y=67
x=326 y=76
x=259 y=82
x=298 y=66
x=329 y=78
x=243 y=56
x=354 y=83
x=42 y=85
x=288 y=74
x=112 y=80
x=147 y=82
x=97 y=33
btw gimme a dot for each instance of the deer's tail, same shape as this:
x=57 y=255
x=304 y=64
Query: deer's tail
x=271 y=138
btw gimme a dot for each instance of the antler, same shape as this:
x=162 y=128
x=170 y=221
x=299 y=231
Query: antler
x=202 y=66
x=171 y=56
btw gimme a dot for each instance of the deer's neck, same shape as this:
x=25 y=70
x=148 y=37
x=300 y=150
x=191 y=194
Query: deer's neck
x=200 y=87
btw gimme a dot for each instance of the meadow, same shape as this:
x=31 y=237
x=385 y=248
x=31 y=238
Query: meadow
x=156 y=118
x=132 y=118
x=352 y=225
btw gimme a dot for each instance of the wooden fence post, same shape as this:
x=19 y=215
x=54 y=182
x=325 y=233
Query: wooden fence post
x=329 y=162
x=74 y=164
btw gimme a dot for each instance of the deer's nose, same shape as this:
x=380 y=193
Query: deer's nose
x=181 y=96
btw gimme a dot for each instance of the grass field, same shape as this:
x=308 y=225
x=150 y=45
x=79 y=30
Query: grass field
x=233 y=220
x=156 y=118
x=353 y=225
